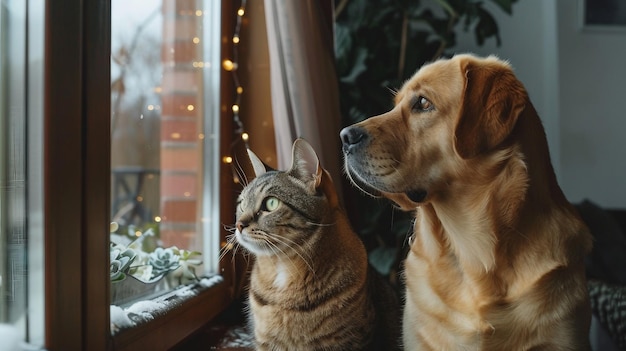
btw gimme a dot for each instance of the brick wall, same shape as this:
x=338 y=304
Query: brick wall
x=181 y=124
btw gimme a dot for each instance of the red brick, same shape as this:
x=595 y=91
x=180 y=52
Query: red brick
x=180 y=80
x=179 y=7
x=179 y=159
x=179 y=51
x=180 y=28
x=179 y=105
x=179 y=238
x=179 y=185
x=179 y=130
x=178 y=211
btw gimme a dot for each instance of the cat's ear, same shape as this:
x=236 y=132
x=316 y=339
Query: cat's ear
x=259 y=167
x=305 y=164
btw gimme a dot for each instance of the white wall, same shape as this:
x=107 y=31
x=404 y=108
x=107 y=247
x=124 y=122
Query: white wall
x=575 y=79
x=592 y=69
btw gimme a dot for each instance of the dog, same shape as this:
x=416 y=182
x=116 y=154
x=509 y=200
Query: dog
x=496 y=258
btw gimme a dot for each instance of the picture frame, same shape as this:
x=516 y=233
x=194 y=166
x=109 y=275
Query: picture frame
x=603 y=15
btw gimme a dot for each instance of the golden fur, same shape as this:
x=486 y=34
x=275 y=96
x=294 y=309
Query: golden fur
x=496 y=258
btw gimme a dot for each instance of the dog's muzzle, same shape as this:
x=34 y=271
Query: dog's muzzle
x=353 y=138
x=355 y=141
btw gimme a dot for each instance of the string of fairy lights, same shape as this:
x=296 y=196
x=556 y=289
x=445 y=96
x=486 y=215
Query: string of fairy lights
x=232 y=65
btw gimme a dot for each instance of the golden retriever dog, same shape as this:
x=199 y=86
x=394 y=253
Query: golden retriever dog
x=496 y=260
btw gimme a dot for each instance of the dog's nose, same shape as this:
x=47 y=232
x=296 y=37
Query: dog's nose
x=352 y=136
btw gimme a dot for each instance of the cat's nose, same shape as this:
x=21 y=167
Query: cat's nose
x=351 y=137
x=241 y=225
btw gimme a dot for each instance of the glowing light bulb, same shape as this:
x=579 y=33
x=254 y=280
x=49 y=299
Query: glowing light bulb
x=235 y=39
x=229 y=65
x=227 y=159
x=245 y=136
x=235 y=108
x=241 y=12
x=239 y=90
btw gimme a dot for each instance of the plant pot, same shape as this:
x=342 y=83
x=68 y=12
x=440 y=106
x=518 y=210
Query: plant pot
x=131 y=289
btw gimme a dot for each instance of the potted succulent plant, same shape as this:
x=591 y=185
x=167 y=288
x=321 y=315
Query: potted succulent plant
x=142 y=268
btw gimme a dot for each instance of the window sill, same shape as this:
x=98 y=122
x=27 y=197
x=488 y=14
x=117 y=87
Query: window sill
x=227 y=332
x=168 y=329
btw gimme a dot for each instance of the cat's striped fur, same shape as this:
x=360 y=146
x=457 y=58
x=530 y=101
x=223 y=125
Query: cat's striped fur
x=311 y=287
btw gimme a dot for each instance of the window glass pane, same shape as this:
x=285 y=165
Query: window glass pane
x=164 y=146
x=21 y=186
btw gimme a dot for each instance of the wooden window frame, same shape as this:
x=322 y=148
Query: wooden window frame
x=77 y=189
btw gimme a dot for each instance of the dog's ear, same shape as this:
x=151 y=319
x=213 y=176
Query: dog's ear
x=492 y=101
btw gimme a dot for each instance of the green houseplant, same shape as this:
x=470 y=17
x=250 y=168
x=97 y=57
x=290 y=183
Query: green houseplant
x=378 y=45
x=142 y=266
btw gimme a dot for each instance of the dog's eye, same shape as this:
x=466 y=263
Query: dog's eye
x=422 y=104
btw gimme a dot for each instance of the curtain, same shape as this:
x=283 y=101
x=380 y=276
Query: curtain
x=304 y=87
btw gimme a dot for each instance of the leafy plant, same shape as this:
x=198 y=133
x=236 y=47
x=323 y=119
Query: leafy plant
x=379 y=44
x=121 y=260
x=163 y=260
x=189 y=261
x=147 y=261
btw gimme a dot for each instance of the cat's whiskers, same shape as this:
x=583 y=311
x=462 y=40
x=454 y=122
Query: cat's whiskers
x=410 y=234
x=240 y=173
x=293 y=246
x=321 y=224
x=230 y=228
x=244 y=253
x=358 y=186
x=231 y=244
x=274 y=249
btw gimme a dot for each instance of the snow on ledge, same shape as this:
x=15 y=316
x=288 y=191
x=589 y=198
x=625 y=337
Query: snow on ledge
x=146 y=310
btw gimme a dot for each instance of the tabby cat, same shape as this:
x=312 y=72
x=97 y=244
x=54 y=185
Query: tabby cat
x=311 y=287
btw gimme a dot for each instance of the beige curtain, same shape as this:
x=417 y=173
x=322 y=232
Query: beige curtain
x=304 y=87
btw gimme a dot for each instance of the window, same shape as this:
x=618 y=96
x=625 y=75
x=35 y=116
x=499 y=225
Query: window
x=165 y=157
x=165 y=152
x=21 y=216
x=79 y=178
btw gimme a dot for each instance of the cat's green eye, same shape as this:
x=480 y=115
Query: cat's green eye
x=271 y=203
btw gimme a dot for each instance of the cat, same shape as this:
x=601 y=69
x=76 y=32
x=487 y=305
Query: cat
x=311 y=287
